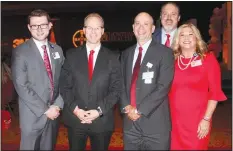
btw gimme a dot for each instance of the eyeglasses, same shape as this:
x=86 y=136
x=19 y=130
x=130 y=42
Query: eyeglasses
x=42 y=26
x=95 y=29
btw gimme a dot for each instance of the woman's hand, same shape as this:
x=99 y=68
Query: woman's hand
x=203 y=128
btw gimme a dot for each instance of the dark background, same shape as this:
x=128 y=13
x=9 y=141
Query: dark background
x=118 y=17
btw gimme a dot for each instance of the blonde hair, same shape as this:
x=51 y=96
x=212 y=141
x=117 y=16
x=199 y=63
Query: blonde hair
x=94 y=15
x=6 y=73
x=201 y=47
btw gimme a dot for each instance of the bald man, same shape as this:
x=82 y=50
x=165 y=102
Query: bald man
x=147 y=69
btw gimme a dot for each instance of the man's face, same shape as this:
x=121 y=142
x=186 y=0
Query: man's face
x=143 y=27
x=169 y=17
x=39 y=27
x=93 y=30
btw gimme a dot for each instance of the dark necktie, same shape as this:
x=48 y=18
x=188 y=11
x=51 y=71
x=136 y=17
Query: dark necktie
x=167 y=43
x=136 y=70
x=90 y=65
x=48 y=69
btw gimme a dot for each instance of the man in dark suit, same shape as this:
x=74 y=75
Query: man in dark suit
x=169 y=16
x=90 y=85
x=147 y=69
x=36 y=66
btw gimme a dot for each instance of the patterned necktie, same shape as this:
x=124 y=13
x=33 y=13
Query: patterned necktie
x=90 y=65
x=136 y=70
x=48 y=69
x=167 y=43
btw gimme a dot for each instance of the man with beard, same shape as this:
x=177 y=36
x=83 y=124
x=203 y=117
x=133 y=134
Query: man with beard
x=170 y=16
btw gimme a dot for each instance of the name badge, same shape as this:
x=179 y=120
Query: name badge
x=148 y=81
x=148 y=75
x=196 y=63
x=56 y=55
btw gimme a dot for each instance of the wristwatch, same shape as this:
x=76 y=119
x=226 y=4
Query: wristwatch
x=99 y=111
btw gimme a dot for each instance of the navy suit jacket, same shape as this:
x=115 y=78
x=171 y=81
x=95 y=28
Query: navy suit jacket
x=157 y=36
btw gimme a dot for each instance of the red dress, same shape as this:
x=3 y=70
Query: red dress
x=191 y=89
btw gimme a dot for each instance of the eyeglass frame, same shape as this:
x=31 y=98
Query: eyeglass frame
x=47 y=25
x=91 y=28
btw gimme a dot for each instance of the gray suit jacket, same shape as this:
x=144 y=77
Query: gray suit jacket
x=151 y=99
x=32 y=83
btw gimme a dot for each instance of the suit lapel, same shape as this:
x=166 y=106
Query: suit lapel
x=53 y=61
x=34 y=48
x=149 y=53
x=100 y=64
x=129 y=67
x=82 y=62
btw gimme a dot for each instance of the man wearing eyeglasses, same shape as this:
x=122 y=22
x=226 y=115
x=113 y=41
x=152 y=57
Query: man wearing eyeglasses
x=36 y=66
x=90 y=87
x=169 y=16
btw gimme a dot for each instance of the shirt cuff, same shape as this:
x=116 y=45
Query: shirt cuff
x=138 y=112
x=75 y=109
x=100 y=111
x=45 y=112
x=55 y=106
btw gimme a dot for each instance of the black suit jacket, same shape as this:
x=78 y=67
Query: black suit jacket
x=103 y=91
x=151 y=99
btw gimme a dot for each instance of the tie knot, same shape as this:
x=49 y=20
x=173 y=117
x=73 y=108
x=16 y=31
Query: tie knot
x=43 y=47
x=140 y=49
x=168 y=36
x=92 y=52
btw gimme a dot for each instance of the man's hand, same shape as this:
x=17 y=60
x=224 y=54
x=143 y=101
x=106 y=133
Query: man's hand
x=133 y=115
x=92 y=115
x=128 y=108
x=53 y=112
x=81 y=114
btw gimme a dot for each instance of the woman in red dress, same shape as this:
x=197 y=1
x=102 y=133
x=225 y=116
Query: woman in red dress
x=195 y=90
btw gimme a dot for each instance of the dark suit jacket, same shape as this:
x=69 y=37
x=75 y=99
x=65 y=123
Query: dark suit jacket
x=151 y=99
x=32 y=83
x=157 y=35
x=103 y=91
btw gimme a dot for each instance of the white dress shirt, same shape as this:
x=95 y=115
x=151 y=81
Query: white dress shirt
x=164 y=36
x=136 y=52
x=97 y=49
x=39 y=45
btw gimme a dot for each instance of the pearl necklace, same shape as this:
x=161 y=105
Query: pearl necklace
x=186 y=65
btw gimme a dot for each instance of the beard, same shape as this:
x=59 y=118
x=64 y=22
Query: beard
x=169 y=28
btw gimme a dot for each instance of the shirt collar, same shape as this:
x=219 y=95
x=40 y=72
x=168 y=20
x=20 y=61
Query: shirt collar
x=39 y=43
x=96 y=49
x=145 y=46
x=171 y=33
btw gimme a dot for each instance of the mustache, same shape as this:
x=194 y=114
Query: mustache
x=168 y=20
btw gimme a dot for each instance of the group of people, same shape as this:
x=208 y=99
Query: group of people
x=167 y=85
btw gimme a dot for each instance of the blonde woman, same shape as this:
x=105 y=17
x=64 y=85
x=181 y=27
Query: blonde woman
x=195 y=90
